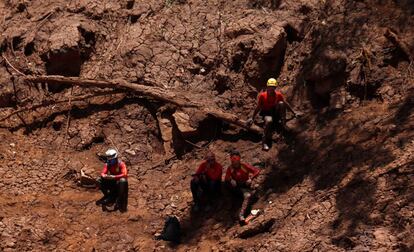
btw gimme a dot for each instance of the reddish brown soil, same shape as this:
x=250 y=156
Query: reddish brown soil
x=343 y=181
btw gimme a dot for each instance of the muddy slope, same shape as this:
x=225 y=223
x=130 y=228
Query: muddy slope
x=343 y=181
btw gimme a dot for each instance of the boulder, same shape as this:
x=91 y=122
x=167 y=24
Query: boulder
x=183 y=123
x=257 y=48
x=69 y=44
x=325 y=69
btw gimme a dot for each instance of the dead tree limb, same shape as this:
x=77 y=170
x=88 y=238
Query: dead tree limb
x=53 y=102
x=232 y=119
x=154 y=92
x=8 y=63
x=193 y=144
x=70 y=108
x=391 y=36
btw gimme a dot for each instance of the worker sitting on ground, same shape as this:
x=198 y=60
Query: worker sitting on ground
x=113 y=182
x=272 y=106
x=206 y=182
x=239 y=179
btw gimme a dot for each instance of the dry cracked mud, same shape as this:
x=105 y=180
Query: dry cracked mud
x=342 y=181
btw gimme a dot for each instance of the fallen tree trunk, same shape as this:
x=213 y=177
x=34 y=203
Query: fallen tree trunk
x=232 y=119
x=153 y=92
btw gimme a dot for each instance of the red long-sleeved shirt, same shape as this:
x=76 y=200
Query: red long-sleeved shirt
x=241 y=174
x=119 y=170
x=214 y=172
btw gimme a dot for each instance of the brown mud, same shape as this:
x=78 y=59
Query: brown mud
x=342 y=181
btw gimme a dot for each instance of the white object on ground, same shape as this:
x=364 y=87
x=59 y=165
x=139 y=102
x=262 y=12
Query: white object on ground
x=255 y=212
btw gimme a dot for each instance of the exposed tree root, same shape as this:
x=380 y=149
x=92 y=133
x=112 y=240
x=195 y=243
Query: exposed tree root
x=153 y=92
x=53 y=102
x=14 y=68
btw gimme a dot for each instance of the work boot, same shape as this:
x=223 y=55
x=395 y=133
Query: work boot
x=109 y=201
x=122 y=201
x=267 y=136
x=101 y=201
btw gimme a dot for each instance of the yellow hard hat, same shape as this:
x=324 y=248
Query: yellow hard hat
x=272 y=82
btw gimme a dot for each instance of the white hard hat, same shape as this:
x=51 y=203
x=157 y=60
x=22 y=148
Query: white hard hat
x=111 y=154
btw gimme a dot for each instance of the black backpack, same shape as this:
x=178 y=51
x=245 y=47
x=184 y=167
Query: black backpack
x=172 y=230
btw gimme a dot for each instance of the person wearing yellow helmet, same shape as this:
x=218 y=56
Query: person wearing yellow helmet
x=272 y=82
x=272 y=106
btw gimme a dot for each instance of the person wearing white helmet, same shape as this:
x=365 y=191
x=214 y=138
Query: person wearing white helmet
x=113 y=182
x=272 y=106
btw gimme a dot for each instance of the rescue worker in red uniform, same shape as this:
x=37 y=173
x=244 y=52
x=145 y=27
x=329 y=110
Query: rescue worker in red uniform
x=206 y=182
x=113 y=182
x=272 y=107
x=238 y=178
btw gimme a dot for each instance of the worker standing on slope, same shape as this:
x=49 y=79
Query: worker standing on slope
x=113 y=182
x=272 y=106
x=206 y=182
x=239 y=179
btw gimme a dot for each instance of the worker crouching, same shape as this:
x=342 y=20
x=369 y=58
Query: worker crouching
x=272 y=107
x=206 y=183
x=238 y=179
x=113 y=182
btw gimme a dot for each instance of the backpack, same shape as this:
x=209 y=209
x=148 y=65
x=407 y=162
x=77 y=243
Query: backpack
x=172 y=230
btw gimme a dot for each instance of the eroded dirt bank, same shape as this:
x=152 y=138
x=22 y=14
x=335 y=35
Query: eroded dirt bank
x=344 y=180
